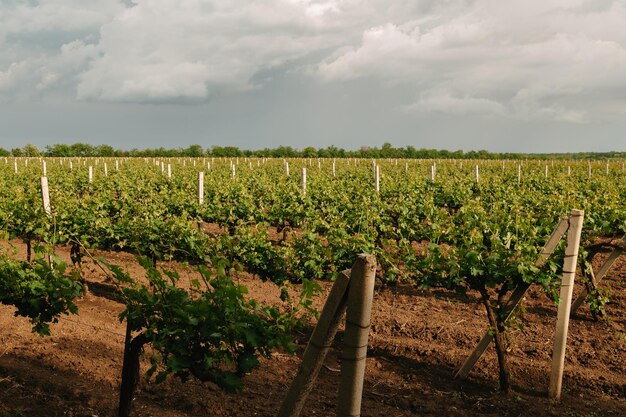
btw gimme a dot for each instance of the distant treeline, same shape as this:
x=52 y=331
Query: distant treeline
x=385 y=151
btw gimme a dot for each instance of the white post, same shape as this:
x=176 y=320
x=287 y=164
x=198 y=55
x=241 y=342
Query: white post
x=304 y=180
x=232 y=167
x=90 y=174
x=71 y=166
x=432 y=173
x=162 y=167
x=589 y=169
x=569 y=171
x=334 y=168
x=607 y=168
x=476 y=175
x=44 y=168
x=106 y=170
x=200 y=187
x=377 y=178
x=406 y=167
x=546 y=172
x=117 y=166
x=519 y=173
x=45 y=195
x=565 y=302
x=15 y=165
x=286 y=168
x=169 y=171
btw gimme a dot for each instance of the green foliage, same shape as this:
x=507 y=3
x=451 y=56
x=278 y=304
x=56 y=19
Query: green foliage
x=209 y=331
x=38 y=291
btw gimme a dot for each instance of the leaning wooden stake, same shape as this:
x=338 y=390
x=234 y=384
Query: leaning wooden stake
x=514 y=300
x=604 y=269
x=565 y=302
x=354 y=351
x=317 y=348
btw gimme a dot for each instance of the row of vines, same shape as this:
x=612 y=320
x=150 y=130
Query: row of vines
x=431 y=223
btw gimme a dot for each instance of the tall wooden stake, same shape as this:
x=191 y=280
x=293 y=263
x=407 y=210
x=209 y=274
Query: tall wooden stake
x=200 y=187
x=565 y=302
x=358 y=316
x=377 y=178
x=45 y=195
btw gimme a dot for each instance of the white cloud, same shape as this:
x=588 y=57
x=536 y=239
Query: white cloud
x=189 y=50
x=536 y=60
x=548 y=60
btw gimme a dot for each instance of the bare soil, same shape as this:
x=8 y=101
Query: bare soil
x=418 y=338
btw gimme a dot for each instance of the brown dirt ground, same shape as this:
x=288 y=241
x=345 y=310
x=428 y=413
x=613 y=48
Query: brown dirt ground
x=418 y=338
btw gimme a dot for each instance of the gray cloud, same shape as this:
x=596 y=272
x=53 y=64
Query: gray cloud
x=489 y=66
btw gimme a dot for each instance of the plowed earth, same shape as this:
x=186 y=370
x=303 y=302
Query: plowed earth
x=418 y=338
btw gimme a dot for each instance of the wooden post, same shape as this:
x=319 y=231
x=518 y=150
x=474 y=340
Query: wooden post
x=286 y=168
x=317 y=348
x=45 y=195
x=354 y=352
x=377 y=178
x=589 y=169
x=476 y=174
x=303 y=180
x=106 y=170
x=334 y=168
x=90 y=174
x=607 y=168
x=569 y=171
x=117 y=165
x=44 y=168
x=169 y=171
x=519 y=173
x=233 y=171
x=546 y=172
x=432 y=173
x=200 y=187
x=15 y=165
x=565 y=302
x=514 y=300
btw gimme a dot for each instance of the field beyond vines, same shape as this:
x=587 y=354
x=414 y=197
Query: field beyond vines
x=452 y=238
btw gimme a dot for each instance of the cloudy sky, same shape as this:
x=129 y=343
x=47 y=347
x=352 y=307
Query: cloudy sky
x=528 y=76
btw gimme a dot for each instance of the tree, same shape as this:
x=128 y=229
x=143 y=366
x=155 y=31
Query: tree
x=193 y=151
x=30 y=150
x=104 y=150
x=82 y=149
x=309 y=152
x=4 y=152
x=59 y=150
